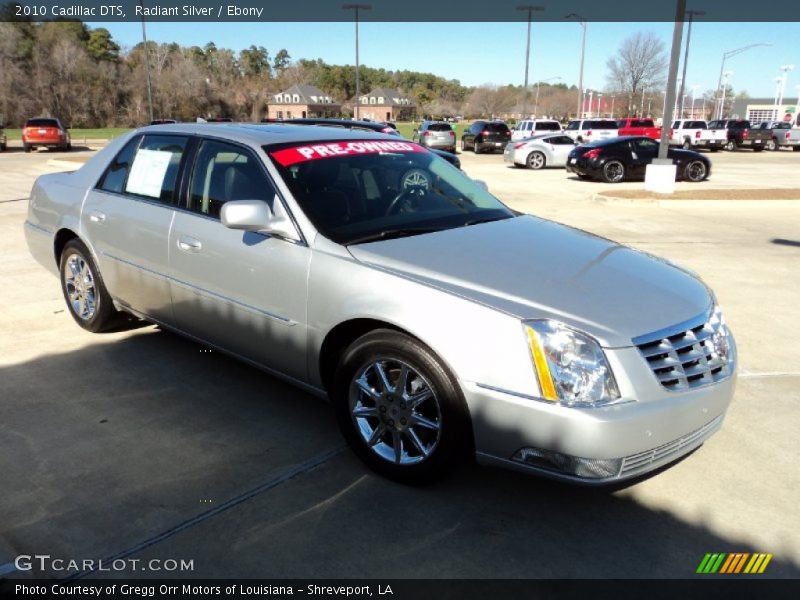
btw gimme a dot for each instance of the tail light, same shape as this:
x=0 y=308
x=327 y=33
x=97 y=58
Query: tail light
x=588 y=133
x=787 y=135
x=745 y=134
x=592 y=154
x=452 y=134
x=426 y=134
x=519 y=145
x=508 y=133
x=485 y=132
x=697 y=134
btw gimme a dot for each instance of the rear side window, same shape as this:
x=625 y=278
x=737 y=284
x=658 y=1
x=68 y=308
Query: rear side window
x=439 y=127
x=547 y=126
x=603 y=125
x=155 y=166
x=224 y=172
x=41 y=123
x=695 y=125
x=113 y=179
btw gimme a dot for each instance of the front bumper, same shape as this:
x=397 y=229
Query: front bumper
x=637 y=437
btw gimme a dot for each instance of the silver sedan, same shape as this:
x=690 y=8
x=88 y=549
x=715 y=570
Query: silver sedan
x=540 y=151
x=366 y=270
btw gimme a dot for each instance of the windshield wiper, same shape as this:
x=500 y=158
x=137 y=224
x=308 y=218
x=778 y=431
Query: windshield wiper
x=394 y=233
x=486 y=220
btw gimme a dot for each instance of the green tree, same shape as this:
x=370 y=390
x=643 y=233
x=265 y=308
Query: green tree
x=101 y=46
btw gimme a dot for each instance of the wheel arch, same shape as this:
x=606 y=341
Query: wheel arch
x=61 y=238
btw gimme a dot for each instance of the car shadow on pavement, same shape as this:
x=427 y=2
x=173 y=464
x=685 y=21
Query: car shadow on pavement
x=114 y=445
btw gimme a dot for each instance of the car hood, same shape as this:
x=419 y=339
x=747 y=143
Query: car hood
x=532 y=268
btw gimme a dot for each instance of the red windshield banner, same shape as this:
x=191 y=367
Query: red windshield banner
x=298 y=154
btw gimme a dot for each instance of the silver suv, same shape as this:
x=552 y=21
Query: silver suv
x=436 y=134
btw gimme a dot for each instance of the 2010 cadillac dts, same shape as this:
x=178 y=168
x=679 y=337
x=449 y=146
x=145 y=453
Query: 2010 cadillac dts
x=366 y=269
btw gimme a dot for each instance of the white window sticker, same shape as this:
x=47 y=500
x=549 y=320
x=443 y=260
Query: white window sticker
x=147 y=173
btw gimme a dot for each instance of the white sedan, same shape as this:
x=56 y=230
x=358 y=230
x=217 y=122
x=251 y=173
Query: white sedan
x=546 y=150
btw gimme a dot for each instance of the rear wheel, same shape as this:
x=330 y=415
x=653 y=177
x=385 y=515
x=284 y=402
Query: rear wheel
x=536 y=160
x=731 y=146
x=26 y=147
x=772 y=144
x=695 y=171
x=687 y=145
x=83 y=288
x=400 y=409
x=613 y=171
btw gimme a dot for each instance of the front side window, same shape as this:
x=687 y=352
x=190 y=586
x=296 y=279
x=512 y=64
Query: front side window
x=645 y=146
x=155 y=166
x=224 y=172
x=362 y=190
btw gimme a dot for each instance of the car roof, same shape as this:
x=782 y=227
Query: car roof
x=260 y=134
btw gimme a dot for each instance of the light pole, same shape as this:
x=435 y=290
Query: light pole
x=530 y=9
x=600 y=105
x=692 y=14
x=357 y=8
x=536 y=102
x=675 y=108
x=782 y=87
x=591 y=95
x=641 y=109
x=721 y=109
x=613 y=98
x=694 y=93
x=726 y=56
x=147 y=64
x=582 y=23
x=797 y=107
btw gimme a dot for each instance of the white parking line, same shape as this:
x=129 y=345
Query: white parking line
x=7 y=569
x=768 y=374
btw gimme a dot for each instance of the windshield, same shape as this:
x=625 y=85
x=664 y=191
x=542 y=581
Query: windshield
x=354 y=191
x=440 y=127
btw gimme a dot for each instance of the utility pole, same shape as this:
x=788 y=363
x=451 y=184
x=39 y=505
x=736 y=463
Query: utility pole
x=357 y=7
x=692 y=14
x=530 y=9
x=147 y=64
x=583 y=24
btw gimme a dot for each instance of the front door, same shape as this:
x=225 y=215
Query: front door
x=643 y=151
x=242 y=291
x=127 y=220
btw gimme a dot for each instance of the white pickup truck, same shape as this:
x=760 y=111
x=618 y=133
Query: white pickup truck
x=783 y=135
x=696 y=134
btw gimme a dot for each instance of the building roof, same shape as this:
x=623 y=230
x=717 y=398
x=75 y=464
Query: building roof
x=391 y=97
x=303 y=94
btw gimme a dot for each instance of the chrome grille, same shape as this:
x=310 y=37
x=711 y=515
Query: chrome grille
x=636 y=462
x=686 y=356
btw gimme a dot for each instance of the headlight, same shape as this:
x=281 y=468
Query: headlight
x=720 y=340
x=571 y=366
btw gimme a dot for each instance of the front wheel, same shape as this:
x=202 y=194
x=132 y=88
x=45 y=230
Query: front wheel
x=695 y=171
x=613 y=171
x=400 y=409
x=83 y=288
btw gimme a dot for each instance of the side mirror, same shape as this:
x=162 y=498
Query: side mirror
x=256 y=215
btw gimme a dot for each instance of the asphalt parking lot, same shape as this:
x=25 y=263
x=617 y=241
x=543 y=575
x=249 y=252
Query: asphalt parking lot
x=140 y=444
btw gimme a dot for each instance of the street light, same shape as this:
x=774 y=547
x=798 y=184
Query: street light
x=724 y=81
x=357 y=7
x=536 y=103
x=692 y=14
x=726 y=56
x=530 y=9
x=781 y=88
x=582 y=23
x=694 y=93
x=599 y=105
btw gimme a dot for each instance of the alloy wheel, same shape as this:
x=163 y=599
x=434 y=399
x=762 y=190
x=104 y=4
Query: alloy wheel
x=79 y=283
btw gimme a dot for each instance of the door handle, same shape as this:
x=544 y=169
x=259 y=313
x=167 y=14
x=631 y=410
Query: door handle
x=95 y=216
x=188 y=244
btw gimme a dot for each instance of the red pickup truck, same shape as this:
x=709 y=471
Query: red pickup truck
x=638 y=126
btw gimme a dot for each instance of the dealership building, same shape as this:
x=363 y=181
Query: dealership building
x=756 y=110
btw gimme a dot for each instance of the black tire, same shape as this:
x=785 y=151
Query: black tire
x=476 y=147
x=26 y=147
x=69 y=147
x=104 y=315
x=695 y=171
x=687 y=145
x=3 y=147
x=536 y=160
x=453 y=440
x=731 y=146
x=772 y=145
x=613 y=172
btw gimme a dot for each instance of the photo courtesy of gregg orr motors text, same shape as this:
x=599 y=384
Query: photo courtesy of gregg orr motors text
x=47 y=563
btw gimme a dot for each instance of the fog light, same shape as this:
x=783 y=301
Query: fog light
x=589 y=468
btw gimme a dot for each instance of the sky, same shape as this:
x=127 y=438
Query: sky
x=494 y=53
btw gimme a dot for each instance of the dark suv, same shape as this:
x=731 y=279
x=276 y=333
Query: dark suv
x=485 y=136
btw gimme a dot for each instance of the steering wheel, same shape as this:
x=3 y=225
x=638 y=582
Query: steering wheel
x=396 y=204
x=414 y=183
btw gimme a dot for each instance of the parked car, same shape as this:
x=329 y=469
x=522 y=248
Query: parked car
x=436 y=134
x=163 y=122
x=696 y=134
x=625 y=158
x=742 y=135
x=485 y=136
x=530 y=127
x=361 y=267
x=783 y=135
x=638 y=127
x=543 y=150
x=47 y=133
x=3 y=139
x=589 y=130
x=363 y=126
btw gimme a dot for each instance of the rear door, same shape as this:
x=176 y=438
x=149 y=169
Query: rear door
x=127 y=220
x=240 y=290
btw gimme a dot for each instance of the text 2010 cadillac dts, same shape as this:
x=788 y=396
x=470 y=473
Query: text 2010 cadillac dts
x=368 y=270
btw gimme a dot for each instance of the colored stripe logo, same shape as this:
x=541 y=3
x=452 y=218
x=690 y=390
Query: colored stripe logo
x=734 y=563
